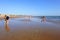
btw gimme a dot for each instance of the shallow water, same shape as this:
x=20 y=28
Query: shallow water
x=29 y=29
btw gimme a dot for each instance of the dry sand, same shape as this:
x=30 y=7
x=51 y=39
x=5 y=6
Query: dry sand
x=29 y=30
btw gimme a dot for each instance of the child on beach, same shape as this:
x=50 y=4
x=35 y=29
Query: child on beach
x=6 y=18
x=43 y=19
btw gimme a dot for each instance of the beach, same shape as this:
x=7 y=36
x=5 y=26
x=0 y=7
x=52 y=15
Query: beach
x=29 y=29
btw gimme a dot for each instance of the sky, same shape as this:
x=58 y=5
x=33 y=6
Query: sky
x=30 y=7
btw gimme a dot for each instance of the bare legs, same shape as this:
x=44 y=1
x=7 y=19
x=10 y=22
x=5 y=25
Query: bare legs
x=43 y=20
x=7 y=27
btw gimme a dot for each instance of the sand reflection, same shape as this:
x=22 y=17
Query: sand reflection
x=7 y=27
x=26 y=20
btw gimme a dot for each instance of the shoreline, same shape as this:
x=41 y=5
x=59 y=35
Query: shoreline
x=29 y=30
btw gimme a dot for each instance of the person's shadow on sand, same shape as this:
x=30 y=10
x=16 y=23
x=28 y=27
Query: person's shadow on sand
x=7 y=27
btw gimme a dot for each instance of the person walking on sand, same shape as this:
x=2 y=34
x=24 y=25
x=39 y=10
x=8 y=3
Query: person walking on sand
x=6 y=18
x=43 y=19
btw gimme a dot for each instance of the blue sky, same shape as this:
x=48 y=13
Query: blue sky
x=30 y=7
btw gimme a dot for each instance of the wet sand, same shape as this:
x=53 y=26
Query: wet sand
x=21 y=29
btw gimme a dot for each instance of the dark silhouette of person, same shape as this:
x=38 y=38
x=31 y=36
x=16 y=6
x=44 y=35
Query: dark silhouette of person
x=6 y=18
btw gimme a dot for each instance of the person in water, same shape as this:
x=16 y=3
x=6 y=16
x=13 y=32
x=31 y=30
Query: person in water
x=43 y=19
x=6 y=18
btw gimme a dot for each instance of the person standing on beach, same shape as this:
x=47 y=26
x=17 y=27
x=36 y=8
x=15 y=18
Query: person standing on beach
x=6 y=18
x=43 y=19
